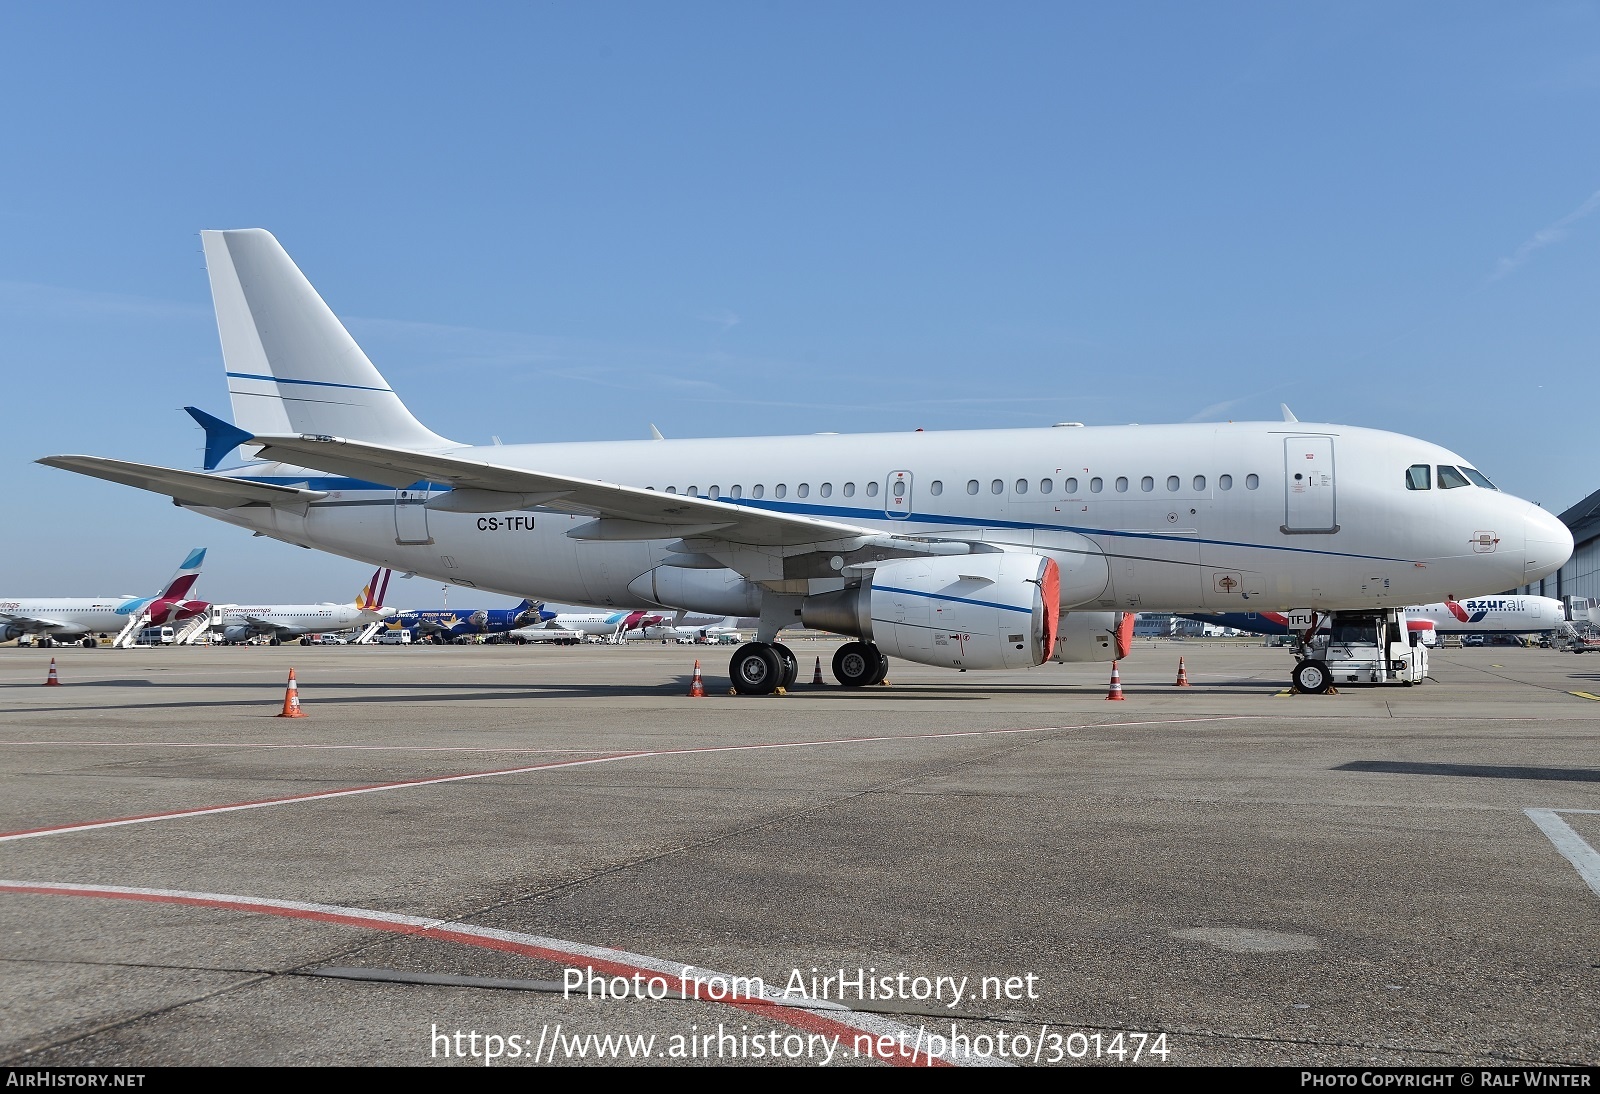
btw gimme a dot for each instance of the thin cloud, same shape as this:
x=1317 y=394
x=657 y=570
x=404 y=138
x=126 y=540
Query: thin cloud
x=1544 y=237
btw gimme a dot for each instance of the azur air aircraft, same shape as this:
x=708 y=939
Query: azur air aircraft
x=79 y=619
x=992 y=549
x=1510 y=614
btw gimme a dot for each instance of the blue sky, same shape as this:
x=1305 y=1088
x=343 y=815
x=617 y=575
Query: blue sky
x=570 y=221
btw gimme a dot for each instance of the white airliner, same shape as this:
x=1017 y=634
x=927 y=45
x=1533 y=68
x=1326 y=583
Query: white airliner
x=1474 y=615
x=241 y=622
x=695 y=628
x=79 y=619
x=989 y=549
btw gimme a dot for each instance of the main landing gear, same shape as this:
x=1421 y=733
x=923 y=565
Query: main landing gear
x=761 y=668
x=859 y=665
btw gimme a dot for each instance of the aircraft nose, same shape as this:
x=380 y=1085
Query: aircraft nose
x=1549 y=544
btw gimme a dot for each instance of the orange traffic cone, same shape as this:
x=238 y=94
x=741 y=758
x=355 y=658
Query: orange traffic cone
x=1183 y=677
x=697 y=686
x=1116 y=683
x=52 y=681
x=816 y=677
x=291 y=700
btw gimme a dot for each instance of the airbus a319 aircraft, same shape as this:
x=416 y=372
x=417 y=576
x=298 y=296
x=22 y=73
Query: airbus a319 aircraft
x=994 y=549
x=79 y=619
x=275 y=622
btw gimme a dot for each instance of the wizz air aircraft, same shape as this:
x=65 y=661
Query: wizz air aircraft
x=242 y=622
x=995 y=549
x=79 y=619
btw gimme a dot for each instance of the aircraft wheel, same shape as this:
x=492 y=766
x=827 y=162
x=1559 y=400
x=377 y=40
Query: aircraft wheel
x=275 y=642
x=791 y=665
x=859 y=664
x=50 y=643
x=756 y=669
x=1312 y=676
x=89 y=643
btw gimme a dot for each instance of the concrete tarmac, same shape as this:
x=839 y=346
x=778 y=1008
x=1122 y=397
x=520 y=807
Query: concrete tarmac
x=1005 y=868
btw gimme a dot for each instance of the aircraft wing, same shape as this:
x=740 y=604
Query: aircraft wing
x=190 y=487
x=624 y=512
x=35 y=624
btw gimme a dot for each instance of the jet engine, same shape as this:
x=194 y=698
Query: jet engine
x=1093 y=636
x=237 y=633
x=10 y=631
x=982 y=611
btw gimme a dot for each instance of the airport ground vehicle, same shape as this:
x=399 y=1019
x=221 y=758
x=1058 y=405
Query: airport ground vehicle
x=393 y=638
x=1363 y=647
x=1474 y=640
x=157 y=636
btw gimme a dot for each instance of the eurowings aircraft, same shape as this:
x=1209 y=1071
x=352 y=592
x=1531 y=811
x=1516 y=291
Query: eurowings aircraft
x=994 y=549
x=1475 y=615
x=79 y=619
x=241 y=622
x=445 y=623
x=603 y=624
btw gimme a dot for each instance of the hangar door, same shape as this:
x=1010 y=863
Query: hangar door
x=1310 y=504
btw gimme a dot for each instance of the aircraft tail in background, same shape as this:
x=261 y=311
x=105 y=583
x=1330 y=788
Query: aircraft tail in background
x=371 y=597
x=182 y=582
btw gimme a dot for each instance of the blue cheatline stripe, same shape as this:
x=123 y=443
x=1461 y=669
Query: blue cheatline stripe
x=957 y=599
x=943 y=520
x=308 y=383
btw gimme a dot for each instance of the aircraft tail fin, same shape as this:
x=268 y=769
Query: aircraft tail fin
x=188 y=573
x=371 y=597
x=291 y=365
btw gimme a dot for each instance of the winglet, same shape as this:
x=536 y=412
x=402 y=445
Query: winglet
x=221 y=437
x=1288 y=415
x=655 y=434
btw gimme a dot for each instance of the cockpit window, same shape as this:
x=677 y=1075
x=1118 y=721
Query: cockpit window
x=1450 y=478
x=1478 y=478
x=1417 y=476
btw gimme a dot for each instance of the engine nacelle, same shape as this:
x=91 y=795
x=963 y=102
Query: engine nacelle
x=1093 y=636
x=986 y=611
x=237 y=633
x=10 y=631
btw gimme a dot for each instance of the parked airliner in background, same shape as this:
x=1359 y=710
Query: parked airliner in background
x=690 y=628
x=242 y=622
x=79 y=619
x=987 y=549
x=445 y=624
x=1475 y=615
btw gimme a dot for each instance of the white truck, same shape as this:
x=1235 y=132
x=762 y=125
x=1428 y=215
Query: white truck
x=1366 y=647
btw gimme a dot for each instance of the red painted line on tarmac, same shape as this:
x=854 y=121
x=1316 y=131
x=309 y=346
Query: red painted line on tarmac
x=876 y=1035
x=406 y=784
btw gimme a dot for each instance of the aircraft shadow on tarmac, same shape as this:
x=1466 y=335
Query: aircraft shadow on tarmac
x=1475 y=771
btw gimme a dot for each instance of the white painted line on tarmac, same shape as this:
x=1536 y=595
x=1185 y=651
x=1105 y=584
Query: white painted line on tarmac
x=1578 y=852
x=407 y=784
x=865 y=1033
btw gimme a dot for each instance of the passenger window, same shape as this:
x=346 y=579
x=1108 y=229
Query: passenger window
x=936 y=488
x=997 y=487
x=1122 y=484
x=1070 y=486
x=1224 y=482
x=672 y=489
x=1252 y=481
x=972 y=486
x=693 y=491
x=1450 y=478
x=1147 y=484
x=826 y=489
x=757 y=490
x=780 y=490
x=1172 y=483
x=1199 y=483
x=1479 y=478
x=1022 y=486
x=1417 y=477
x=736 y=492
x=872 y=489
x=849 y=489
x=1045 y=486
x=803 y=490
x=713 y=491
x=1096 y=484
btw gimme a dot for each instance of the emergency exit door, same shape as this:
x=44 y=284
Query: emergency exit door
x=411 y=517
x=1310 y=504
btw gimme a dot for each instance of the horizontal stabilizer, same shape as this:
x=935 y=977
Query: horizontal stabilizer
x=187 y=487
x=221 y=437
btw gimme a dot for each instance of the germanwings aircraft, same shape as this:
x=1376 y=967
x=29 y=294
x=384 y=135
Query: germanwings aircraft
x=444 y=623
x=241 y=622
x=1475 y=615
x=995 y=549
x=79 y=619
